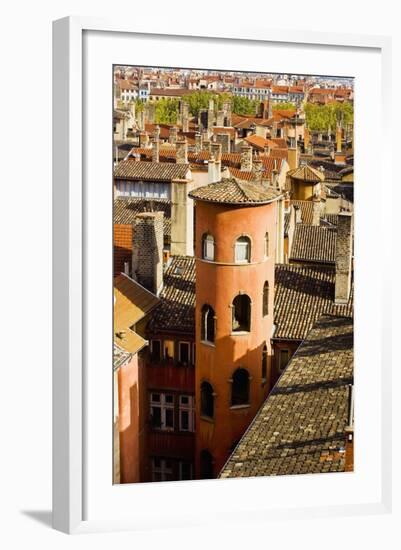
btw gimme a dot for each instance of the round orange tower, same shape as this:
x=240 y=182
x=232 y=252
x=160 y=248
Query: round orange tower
x=235 y=251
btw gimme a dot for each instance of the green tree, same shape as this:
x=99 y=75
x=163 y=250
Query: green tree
x=322 y=117
x=166 y=111
x=284 y=106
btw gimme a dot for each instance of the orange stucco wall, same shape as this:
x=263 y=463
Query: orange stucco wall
x=131 y=420
x=217 y=284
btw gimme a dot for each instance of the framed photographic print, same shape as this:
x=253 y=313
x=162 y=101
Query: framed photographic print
x=218 y=347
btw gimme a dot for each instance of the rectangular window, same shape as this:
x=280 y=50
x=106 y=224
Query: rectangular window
x=242 y=250
x=156 y=350
x=187 y=413
x=169 y=349
x=162 y=411
x=284 y=358
x=162 y=469
x=184 y=352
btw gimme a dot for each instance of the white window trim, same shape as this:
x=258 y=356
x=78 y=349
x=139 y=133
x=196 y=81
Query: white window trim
x=190 y=408
x=163 y=406
x=162 y=470
x=185 y=342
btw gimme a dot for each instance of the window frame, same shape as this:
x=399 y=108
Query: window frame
x=205 y=312
x=265 y=299
x=246 y=240
x=280 y=367
x=163 y=470
x=204 y=414
x=160 y=348
x=208 y=239
x=248 y=400
x=241 y=328
x=164 y=407
x=190 y=409
x=188 y=344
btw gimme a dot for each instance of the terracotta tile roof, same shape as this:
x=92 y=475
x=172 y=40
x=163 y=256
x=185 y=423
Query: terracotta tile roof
x=280 y=142
x=224 y=130
x=150 y=171
x=231 y=159
x=126 y=208
x=287 y=219
x=306 y=173
x=231 y=191
x=301 y=427
x=314 y=243
x=171 y=92
x=131 y=303
x=302 y=295
x=306 y=210
x=279 y=153
x=122 y=247
x=177 y=308
x=169 y=153
x=258 y=141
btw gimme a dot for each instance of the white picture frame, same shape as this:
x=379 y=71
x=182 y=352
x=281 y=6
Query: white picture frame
x=70 y=330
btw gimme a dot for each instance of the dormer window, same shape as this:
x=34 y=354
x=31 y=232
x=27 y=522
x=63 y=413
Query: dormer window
x=208 y=247
x=242 y=250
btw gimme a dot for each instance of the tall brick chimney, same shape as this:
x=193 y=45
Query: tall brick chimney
x=185 y=116
x=182 y=219
x=224 y=140
x=257 y=170
x=246 y=158
x=216 y=153
x=172 y=137
x=198 y=142
x=220 y=117
x=210 y=115
x=147 y=250
x=227 y=113
x=182 y=151
x=343 y=257
x=316 y=210
x=156 y=144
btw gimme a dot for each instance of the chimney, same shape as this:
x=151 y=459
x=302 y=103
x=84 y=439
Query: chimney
x=147 y=250
x=155 y=150
x=185 y=116
x=220 y=118
x=181 y=151
x=257 y=170
x=343 y=257
x=143 y=139
x=227 y=113
x=156 y=144
x=198 y=142
x=293 y=156
x=182 y=219
x=172 y=137
x=274 y=176
x=316 y=210
x=141 y=119
x=132 y=110
x=210 y=116
x=246 y=158
x=211 y=170
x=224 y=140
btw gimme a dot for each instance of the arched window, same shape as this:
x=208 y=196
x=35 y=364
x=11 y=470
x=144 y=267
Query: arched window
x=207 y=400
x=266 y=298
x=242 y=250
x=207 y=247
x=241 y=309
x=266 y=245
x=240 y=387
x=264 y=363
x=206 y=465
x=208 y=324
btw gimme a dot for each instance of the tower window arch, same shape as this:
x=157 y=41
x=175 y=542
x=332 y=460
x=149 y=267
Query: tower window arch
x=243 y=250
x=241 y=312
x=208 y=247
x=207 y=400
x=266 y=244
x=206 y=465
x=208 y=325
x=264 y=363
x=240 y=387
x=265 y=298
